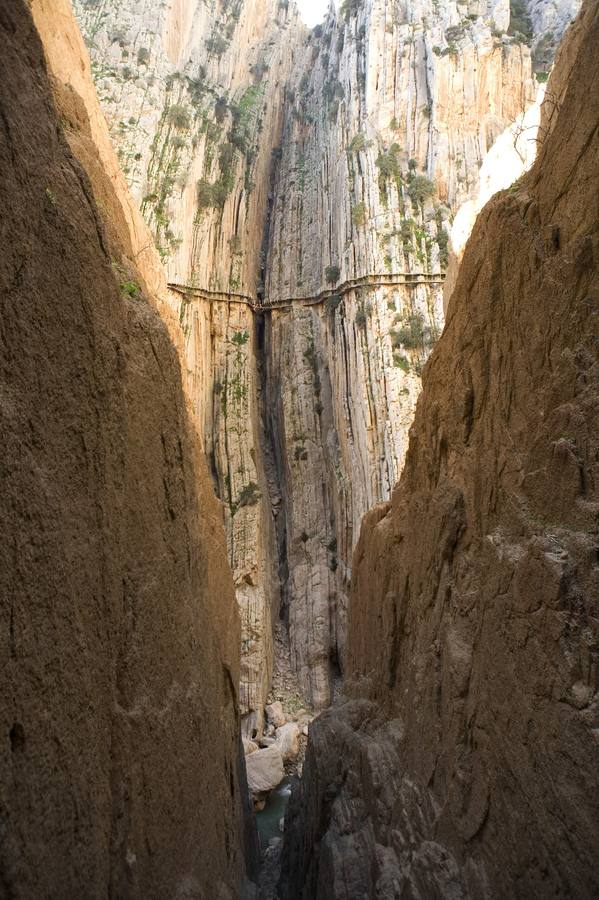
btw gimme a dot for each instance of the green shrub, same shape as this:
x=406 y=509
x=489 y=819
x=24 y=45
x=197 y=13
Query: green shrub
x=349 y=8
x=220 y=109
x=443 y=242
x=387 y=162
x=131 y=289
x=357 y=143
x=211 y=195
x=249 y=495
x=332 y=273
x=332 y=302
x=401 y=361
x=240 y=338
x=421 y=188
x=407 y=232
x=259 y=69
x=520 y=22
x=454 y=33
x=217 y=44
x=389 y=168
x=358 y=214
x=411 y=333
x=363 y=313
x=143 y=56
x=179 y=117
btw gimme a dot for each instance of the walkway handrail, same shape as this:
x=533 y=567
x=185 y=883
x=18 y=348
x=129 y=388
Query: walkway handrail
x=373 y=280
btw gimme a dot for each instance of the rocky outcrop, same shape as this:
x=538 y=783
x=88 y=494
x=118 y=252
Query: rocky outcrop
x=545 y=24
x=119 y=627
x=265 y=769
x=462 y=763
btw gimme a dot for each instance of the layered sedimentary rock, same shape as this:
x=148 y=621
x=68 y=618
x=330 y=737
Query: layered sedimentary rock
x=463 y=761
x=120 y=630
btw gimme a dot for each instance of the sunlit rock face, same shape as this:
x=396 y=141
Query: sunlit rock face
x=508 y=159
x=320 y=173
x=193 y=97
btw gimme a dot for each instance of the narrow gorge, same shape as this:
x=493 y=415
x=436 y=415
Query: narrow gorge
x=301 y=450
x=302 y=204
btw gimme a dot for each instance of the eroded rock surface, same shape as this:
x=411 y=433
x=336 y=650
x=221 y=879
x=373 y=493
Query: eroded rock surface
x=119 y=628
x=317 y=173
x=463 y=760
x=391 y=109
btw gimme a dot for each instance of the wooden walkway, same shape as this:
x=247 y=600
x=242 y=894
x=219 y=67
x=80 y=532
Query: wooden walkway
x=410 y=279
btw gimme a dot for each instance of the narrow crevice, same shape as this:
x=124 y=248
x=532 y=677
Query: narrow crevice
x=272 y=451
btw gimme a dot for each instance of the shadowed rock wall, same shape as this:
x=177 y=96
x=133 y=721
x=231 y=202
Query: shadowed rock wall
x=120 y=634
x=463 y=761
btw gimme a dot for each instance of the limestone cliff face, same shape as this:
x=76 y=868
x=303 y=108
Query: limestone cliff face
x=192 y=94
x=547 y=22
x=119 y=627
x=193 y=97
x=463 y=762
x=313 y=178
x=391 y=109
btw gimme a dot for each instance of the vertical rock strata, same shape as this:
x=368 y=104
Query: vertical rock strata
x=390 y=110
x=120 y=757
x=546 y=23
x=312 y=178
x=193 y=96
x=463 y=761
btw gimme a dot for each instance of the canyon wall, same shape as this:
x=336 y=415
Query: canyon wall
x=391 y=109
x=301 y=188
x=193 y=97
x=120 y=766
x=462 y=760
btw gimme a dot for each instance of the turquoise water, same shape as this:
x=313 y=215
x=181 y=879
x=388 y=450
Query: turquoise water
x=268 y=818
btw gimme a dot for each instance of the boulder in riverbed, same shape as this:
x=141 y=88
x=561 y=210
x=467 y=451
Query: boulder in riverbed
x=274 y=713
x=287 y=740
x=264 y=769
x=249 y=746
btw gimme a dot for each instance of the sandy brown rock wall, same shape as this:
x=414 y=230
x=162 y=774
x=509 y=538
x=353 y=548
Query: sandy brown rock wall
x=120 y=631
x=463 y=763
